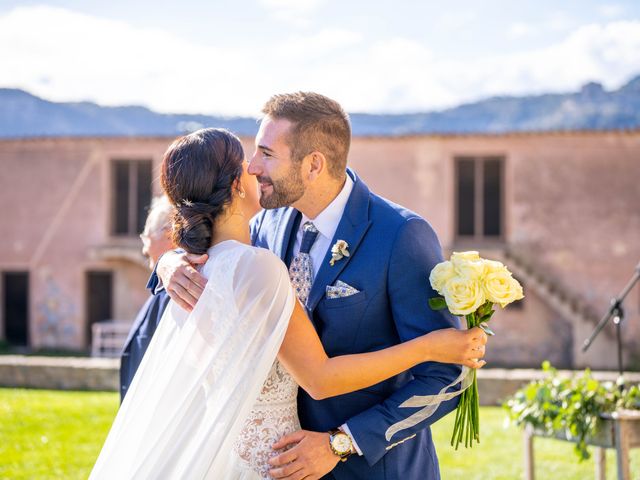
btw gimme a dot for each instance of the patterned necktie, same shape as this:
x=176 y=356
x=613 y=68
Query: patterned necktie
x=301 y=269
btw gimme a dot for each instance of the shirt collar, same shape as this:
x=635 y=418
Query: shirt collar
x=327 y=221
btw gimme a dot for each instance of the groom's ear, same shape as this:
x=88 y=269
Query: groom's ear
x=316 y=165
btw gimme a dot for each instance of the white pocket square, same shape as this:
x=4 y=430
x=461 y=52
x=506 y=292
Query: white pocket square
x=341 y=290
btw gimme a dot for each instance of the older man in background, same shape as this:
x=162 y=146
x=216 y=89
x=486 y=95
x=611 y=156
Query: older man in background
x=156 y=239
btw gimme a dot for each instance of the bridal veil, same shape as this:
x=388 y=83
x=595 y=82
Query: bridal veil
x=202 y=373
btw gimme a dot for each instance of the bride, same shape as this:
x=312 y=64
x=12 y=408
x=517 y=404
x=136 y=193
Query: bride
x=218 y=385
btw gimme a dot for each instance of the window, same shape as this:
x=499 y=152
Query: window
x=479 y=190
x=15 y=310
x=99 y=299
x=131 y=193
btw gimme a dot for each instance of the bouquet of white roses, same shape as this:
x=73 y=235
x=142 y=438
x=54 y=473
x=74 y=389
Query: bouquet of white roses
x=469 y=286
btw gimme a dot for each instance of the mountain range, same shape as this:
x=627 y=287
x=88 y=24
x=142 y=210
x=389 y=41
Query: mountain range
x=591 y=108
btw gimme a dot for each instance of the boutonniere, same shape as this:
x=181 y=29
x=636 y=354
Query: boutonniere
x=339 y=250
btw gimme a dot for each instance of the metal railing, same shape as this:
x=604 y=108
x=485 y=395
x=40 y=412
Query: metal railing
x=107 y=338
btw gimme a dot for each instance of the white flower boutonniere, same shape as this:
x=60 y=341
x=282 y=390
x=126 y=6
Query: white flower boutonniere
x=339 y=250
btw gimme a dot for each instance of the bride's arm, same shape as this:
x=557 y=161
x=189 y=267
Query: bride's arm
x=304 y=357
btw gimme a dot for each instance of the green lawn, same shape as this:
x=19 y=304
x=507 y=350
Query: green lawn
x=48 y=434
x=54 y=435
x=499 y=456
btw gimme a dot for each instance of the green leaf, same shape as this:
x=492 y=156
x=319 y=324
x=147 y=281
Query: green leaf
x=485 y=309
x=437 y=303
x=568 y=405
x=487 y=316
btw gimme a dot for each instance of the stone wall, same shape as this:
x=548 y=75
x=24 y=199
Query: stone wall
x=572 y=212
x=59 y=373
x=494 y=384
x=571 y=204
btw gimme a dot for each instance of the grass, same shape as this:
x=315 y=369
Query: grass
x=499 y=456
x=52 y=435
x=49 y=434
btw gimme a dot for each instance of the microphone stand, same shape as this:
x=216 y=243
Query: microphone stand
x=615 y=313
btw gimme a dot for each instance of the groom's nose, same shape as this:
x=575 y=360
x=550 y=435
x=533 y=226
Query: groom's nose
x=254 y=167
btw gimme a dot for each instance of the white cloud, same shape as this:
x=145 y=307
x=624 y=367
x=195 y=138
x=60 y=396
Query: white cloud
x=62 y=55
x=555 y=22
x=609 y=53
x=611 y=10
x=323 y=42
x=293 y=12
x=521 y=29
x=559 y=21
x=301 y=5
x=456 y=20
x=405 y=76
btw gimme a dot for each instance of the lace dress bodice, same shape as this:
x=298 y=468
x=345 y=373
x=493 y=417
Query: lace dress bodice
x=274 y=415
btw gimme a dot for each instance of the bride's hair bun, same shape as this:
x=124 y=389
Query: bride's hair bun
x=193 y=226
x=198 y=173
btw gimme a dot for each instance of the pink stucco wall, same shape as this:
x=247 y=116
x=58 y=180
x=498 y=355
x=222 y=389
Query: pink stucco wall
x=571 y=205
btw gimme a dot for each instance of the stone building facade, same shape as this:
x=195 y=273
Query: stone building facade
x=561 y=209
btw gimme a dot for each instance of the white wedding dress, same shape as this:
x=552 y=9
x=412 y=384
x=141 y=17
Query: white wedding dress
x=199 y=406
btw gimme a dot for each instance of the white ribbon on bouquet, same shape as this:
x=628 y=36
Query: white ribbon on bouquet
x=430 y=403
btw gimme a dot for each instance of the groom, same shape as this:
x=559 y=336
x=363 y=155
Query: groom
x=365 y=296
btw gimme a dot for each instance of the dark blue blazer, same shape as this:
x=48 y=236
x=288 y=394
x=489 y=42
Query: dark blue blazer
x=392 y=253
x=141 y=333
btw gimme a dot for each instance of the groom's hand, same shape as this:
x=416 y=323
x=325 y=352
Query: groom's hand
x=311 y=458
x=181 y=280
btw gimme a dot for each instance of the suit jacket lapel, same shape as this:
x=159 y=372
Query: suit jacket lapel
x=352 y=228
x=282 y=233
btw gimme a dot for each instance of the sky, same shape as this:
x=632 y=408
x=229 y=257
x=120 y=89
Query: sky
x=228 y=57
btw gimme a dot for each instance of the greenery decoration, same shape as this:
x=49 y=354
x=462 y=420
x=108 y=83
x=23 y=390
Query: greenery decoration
x=569 y=406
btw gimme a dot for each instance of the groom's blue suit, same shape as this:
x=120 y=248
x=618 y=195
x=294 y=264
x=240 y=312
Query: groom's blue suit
x=392 y=251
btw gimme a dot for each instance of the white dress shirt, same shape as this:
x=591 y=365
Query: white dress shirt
x=327 y=223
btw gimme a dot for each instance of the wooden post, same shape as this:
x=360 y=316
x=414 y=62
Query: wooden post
x=529 y=473
x=621 y=431
x=601 y=463
x=621 y=427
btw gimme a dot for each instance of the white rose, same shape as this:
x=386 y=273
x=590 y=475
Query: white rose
x=463 y=295
x=499 y=285
x=440 y=275
x=468 y=264
x=469 y=256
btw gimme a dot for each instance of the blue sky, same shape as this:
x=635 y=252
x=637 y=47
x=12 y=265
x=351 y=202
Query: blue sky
x=228 y=57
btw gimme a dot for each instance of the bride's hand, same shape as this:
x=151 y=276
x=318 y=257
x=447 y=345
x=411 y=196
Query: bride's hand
x=181 y=280
x=462 y=347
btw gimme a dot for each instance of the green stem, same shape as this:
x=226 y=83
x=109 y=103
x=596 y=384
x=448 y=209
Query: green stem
x=467 y=422
x=471 y=417
x=473 y=320
x=477 y=406
x=470 y=421
x=456 y=423
x=470 y=427
x=463 y=418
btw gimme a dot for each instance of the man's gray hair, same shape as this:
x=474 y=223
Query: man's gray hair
x=160 y=214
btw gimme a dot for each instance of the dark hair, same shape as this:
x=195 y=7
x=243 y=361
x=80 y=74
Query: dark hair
x=319 y=124
x=198 y=173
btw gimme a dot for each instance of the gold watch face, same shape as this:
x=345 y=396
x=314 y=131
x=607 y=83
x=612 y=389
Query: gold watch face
x=341 y=443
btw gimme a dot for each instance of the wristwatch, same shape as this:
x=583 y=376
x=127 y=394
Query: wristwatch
x=340 y=444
